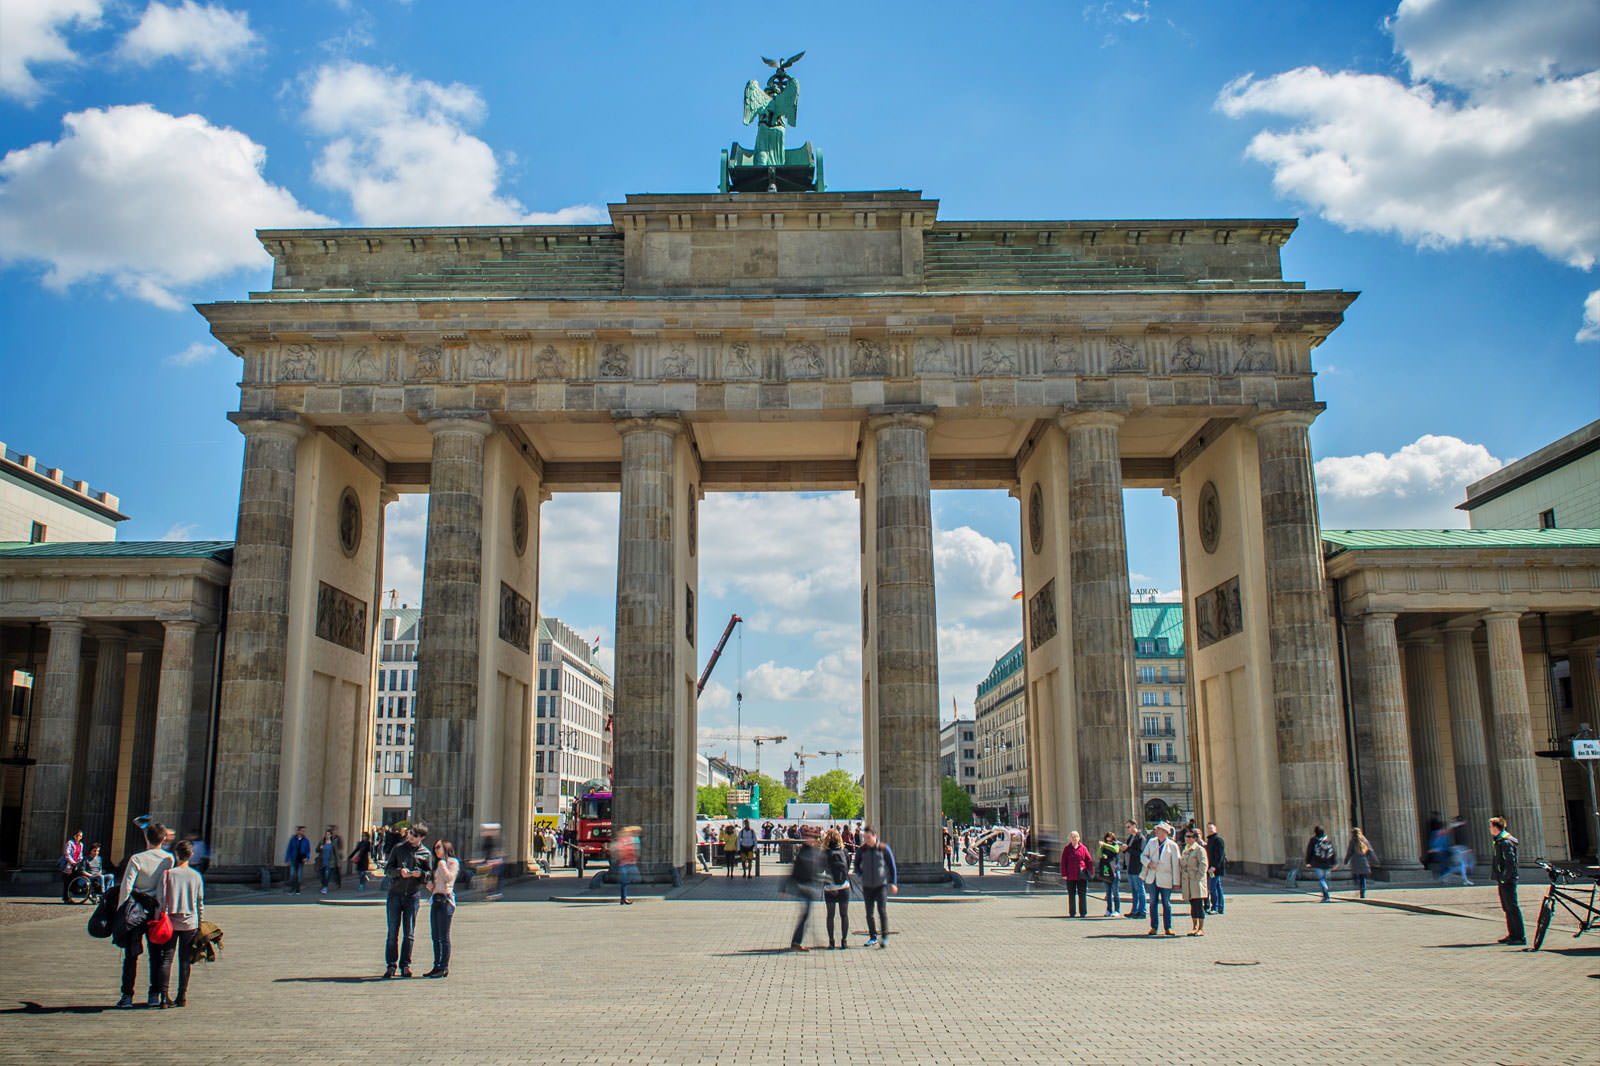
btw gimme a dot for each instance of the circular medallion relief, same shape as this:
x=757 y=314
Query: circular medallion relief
x=1036 y=518
x=1209 y=517
x=519 y=521
x=349 y=521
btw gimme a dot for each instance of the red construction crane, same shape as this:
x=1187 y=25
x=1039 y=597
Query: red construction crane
x=716 y=654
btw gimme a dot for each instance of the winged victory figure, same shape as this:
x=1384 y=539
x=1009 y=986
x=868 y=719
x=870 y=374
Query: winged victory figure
x=772 y=164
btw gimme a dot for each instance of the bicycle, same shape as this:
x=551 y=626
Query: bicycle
x=87 y=888
x=1583 y=910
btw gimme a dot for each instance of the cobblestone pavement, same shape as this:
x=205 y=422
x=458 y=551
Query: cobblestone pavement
x=699 y=978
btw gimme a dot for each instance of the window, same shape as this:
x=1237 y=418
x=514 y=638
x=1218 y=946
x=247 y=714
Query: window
x=969 y=772
x=411 y=760
x=1166 y=699
x=1166 y=723
x=1143 y=646
x=1147 y=675
x=1149 y=725
x=1170 y=757
x=538 y=762
x=967 y=753
x=379 y=738
x=1152 y=753
x=1547 y=520
x=37 y=534
x=1172 y=777
x=381 y=686
x=538 y=733
x=966 y=734
x=1148 y=699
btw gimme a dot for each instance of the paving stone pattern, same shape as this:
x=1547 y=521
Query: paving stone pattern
x=978 y=978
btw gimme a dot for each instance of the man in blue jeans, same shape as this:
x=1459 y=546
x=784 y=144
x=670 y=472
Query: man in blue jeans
x=1216 y=866
x=409 y=865
x=1161 y=875
x=1133 y=848
x=294 y=857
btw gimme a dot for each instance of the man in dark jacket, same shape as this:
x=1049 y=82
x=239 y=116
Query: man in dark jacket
x=1216 y=866
x=803 y=881
x=1132 y=850
x=1505 y=877
x=409 y=865
x=876 y=868
x=294 y=857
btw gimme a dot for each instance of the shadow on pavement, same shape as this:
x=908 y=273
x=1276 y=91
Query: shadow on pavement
x=1474 y=944
x=361 y=980
x=751 y=951
x=29 y=1007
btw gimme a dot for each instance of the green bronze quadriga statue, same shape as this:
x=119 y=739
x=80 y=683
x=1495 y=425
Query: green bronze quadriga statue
x=770 y=166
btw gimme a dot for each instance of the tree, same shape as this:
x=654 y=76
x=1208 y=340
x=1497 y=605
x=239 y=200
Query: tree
x=774 y=797
x=955 y=801
x=837 y=789
x=713 y=800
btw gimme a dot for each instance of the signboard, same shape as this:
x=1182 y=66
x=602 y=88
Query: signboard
x=737 y=796
x=1586 y=749
x=546 y=821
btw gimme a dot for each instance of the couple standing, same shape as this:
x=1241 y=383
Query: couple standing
x=412 y=866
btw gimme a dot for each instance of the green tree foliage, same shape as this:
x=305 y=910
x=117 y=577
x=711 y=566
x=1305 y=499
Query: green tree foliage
x=837 y=789
x=713 y=800
x=957 y=804
x=774 y=797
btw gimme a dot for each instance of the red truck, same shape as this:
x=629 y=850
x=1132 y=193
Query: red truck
x=590 y=829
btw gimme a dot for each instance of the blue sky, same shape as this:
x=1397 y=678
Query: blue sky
x=1442 y=156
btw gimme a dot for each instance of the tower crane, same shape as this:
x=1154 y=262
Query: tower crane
x=840 y=754
x=802 y=755
x=758 y=742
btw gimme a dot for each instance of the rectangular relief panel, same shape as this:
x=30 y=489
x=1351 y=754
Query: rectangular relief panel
x=341 y=618
x=1218 y=614
x=516 y=618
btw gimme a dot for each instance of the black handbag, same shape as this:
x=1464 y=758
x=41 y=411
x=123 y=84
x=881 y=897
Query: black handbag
x=100 y=921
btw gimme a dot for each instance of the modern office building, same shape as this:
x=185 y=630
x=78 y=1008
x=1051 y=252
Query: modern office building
x=1161 y=727
x=1001 y=793
x=572 y=734
x=395 y=715
x=958 y=753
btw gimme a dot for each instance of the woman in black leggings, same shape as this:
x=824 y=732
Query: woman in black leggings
x=836 y=894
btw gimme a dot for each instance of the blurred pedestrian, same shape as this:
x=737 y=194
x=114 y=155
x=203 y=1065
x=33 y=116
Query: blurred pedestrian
x=836 y=892
x=1133 y=863
x=1320 y=859
x=143 y=873
x=1075 y=863
x=294 y=857
x=1216 y=866
x=880 y=878
x=1109 y=866
x=361 y=861
x=1461 y=857
x=1505 y=878
x=1161 y=874
x=442 y=905
x=328 y=858
x=1192 y=865
x=407 y=871
x=183 y=897
x=489 y=860
x=625 y=853
x=1358 y=859
x=804 y=883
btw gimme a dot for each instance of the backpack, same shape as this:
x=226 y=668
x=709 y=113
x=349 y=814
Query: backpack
x=100 y=920
x=838 y=867
x=1323 y=848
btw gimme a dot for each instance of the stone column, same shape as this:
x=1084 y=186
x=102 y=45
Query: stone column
x=169 y=758
x=105 y=740
x=447 y=651
x=1394 y=823
x=1427 y=741
x=1102 y=622
x=1300 y=633
x=140 y=747
x=54 y=742
x=1474 y=787
x=646 y=681
x=250 y=723
x=908 y=642
x=1585 y=674
x=1511 y=730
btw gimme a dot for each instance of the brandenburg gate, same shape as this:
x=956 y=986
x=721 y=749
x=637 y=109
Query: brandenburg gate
x=772 y=340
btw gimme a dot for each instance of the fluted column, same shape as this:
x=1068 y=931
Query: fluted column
x=1474 y=786
x=1300 y=633
x=1511 y=730
x=907 y=644
x=1585 y=673
x=447 y=650
x=105 y=736
x=1428 y=746
x=250 y=723
x=140 y=748
x=643 y=713
x=1395 y=820
x=54 y=742
x=169 y=758
x=1102 y=623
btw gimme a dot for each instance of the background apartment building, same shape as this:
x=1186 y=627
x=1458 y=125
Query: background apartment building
x=1001 y=794
x=958 y=753
x=395 y=715
x=573 y=742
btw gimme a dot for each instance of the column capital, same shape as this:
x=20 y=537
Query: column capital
x=1078 y=419
x=285 y=424
x=446 y=420
x=1425 y=639
x=629 y=422
x=1467 y=625
x=1300 y=416
x=881 y=416
x=1504 y=614
x=65 y=625
x=170 y=625
x=1585 y=644
x=1380 y=616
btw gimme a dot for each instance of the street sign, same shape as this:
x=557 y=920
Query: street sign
x=1586 y=749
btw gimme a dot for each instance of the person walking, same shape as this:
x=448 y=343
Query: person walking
x=144 y=873
x=1358 y=859
x=1320 y=859
x=71 y=859
x=747 y=848
x=1461 y=857
x=625 y=852
x=407 y=871
x=1075 y=863
x=294 y=857
x=1505 y=879
x=361 y=861
x=836 y=893
x=880 y=878
x=1109 y=867
x=730 y=846
x=1161 y=875
x=804 y=879
x=183 y=897
x=442 y=908
x=1216 y=866
x=328 y=858
x=1193 y=863
x=1133 y=864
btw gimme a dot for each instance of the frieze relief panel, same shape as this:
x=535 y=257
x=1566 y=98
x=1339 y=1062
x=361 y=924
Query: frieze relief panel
x=1218 y=613
x=516 y=618
x=341 y=618
x=1042 y=615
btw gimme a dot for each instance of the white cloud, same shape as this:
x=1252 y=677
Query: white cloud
x=1416 y=487
x=154 y=203
x=1591 y=318
x=1490 y=142
x=405 y=534
x=400 y=150
x=180 y=531
x=204 y=37
x=33 y=32
x=195 y=354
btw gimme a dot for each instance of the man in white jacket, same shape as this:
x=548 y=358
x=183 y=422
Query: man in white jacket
x=1160 y=872
x=144 y=872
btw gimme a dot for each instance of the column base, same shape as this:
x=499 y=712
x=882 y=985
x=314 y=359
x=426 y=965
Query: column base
x=922 y=873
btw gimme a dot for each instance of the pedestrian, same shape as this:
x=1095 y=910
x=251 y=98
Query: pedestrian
x=1133 y=864
x=94 y=869
x=361 y=861
x=328 y=858
x=1461 y=857
x=294 y=857
x=1193 y=863
x=407 y=871
x=442 y=908
x=200 y=861
x=338 y=867
x=880 y=878
x=1216 y=866
x=730 y=846
x=71 y=858
x=1358 y=859
x=747 y=848
x=1109 y=867
x=1161 y=876
x=183 y=897
x=836 y=893
x=144 y=873
x=1075 y=864
x=489 y=860
x=625 y=853
x=1504 y=871
x=1320 y=859
x=805 y=883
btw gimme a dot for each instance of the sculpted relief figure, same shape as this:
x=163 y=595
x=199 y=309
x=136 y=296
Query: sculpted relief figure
x=998 y=359
x=549 y=363
x=1063 y=353
x=484 y=361
x=1255 y=355
x=613 y=361
x=429 y=363
x=932 y=356
x=870 y=359
x=359 y=365
x=1187 y=358
x=803 y=360
x=739 y=362
x=677 y=363
x=1125 y=354
x=299 y=363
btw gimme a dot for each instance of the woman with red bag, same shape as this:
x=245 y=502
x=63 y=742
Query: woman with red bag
x=183 y=904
